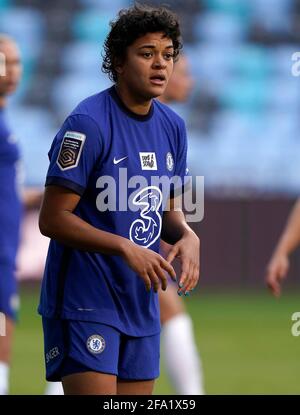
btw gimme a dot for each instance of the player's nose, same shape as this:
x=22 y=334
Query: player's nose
x=159 y=62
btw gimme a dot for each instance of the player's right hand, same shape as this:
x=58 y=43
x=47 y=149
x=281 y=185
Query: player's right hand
x=276 y=272
x=149 y=265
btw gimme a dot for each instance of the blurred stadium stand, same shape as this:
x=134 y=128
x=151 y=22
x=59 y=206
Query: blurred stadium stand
x=244 y=113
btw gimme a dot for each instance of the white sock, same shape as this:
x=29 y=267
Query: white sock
x=54 y=388
x=181 y=357
x=4 y=375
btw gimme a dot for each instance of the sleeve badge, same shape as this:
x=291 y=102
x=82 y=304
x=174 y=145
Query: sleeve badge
x=70 y=150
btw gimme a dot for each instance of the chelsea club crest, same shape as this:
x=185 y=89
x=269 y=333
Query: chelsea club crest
x=95 y=344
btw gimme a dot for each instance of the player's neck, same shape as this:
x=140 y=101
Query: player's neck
x=133 y=103
x=164 y=99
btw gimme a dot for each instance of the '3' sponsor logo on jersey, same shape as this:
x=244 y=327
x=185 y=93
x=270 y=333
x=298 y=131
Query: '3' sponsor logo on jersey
x=146 y=229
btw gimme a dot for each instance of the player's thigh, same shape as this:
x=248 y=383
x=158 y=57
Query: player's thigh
x=170 y=303
x=90 y=383
x=134 y=387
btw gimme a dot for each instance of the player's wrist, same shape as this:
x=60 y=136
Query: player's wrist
x=284 y=248
x=189 y=233
x=288 y=243
x=124 y=247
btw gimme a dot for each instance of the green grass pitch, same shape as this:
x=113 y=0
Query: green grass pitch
x=245 y=343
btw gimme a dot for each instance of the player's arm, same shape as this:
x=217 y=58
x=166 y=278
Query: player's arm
x=279 y=264
x=58 y=221
x=186 y=246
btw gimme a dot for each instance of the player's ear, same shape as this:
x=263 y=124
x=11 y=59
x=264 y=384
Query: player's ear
x=119 y=69
x=119 y=65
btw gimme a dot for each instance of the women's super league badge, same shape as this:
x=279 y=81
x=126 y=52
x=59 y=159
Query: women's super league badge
x=70 y=150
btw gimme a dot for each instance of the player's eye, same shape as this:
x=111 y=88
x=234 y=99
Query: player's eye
x=169 y=56
x=147 y=55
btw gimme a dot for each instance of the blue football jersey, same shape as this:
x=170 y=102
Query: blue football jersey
x=10 y=205
x=101 y=152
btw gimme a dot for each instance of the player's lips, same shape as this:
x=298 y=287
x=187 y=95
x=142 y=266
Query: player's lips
x=158 y=79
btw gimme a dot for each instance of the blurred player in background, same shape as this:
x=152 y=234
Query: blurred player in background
x=289 y=240
x=182 y=363
x=10 y=206
x=99 y=297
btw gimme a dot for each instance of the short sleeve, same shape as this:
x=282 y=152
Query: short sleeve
x=181 y=169
x=75 y=150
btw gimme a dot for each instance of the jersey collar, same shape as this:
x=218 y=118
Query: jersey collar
x=122 y=106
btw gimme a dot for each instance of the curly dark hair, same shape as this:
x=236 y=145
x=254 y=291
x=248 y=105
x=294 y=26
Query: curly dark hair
x=133 y=23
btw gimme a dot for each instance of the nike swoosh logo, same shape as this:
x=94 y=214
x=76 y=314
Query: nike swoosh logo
x=119 y=160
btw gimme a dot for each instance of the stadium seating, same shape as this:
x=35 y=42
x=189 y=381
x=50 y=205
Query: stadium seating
x=243 y=114
x=66 y=96
x=4 y=4
x=91 y=25
x=82 y=58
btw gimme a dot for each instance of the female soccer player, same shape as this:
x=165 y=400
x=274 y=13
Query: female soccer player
x=105 y=211
x=10 y=207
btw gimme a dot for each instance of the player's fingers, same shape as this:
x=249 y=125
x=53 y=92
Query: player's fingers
x=185 y=273
x=147 y=281
x=194 y=280
x=275 y=275
x=172 y=254
x=169 y=268
x=271 y=275
x=162 y=276
x=270 y=279
x=273 y=286
x=154 y=280
x=276 y=290
x=190 y=284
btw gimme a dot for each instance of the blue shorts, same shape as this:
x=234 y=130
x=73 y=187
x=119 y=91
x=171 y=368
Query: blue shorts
x=9 y=299
x=82 y=346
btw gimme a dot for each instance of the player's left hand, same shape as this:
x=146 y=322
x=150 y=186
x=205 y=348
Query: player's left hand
x=187 y=249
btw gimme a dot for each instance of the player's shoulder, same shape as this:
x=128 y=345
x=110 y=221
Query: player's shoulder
x=168 y=114
x=90 y=107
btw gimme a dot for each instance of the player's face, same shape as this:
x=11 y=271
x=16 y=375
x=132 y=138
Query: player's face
x=181 y=82
x=13 y=67
x=148 y=66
